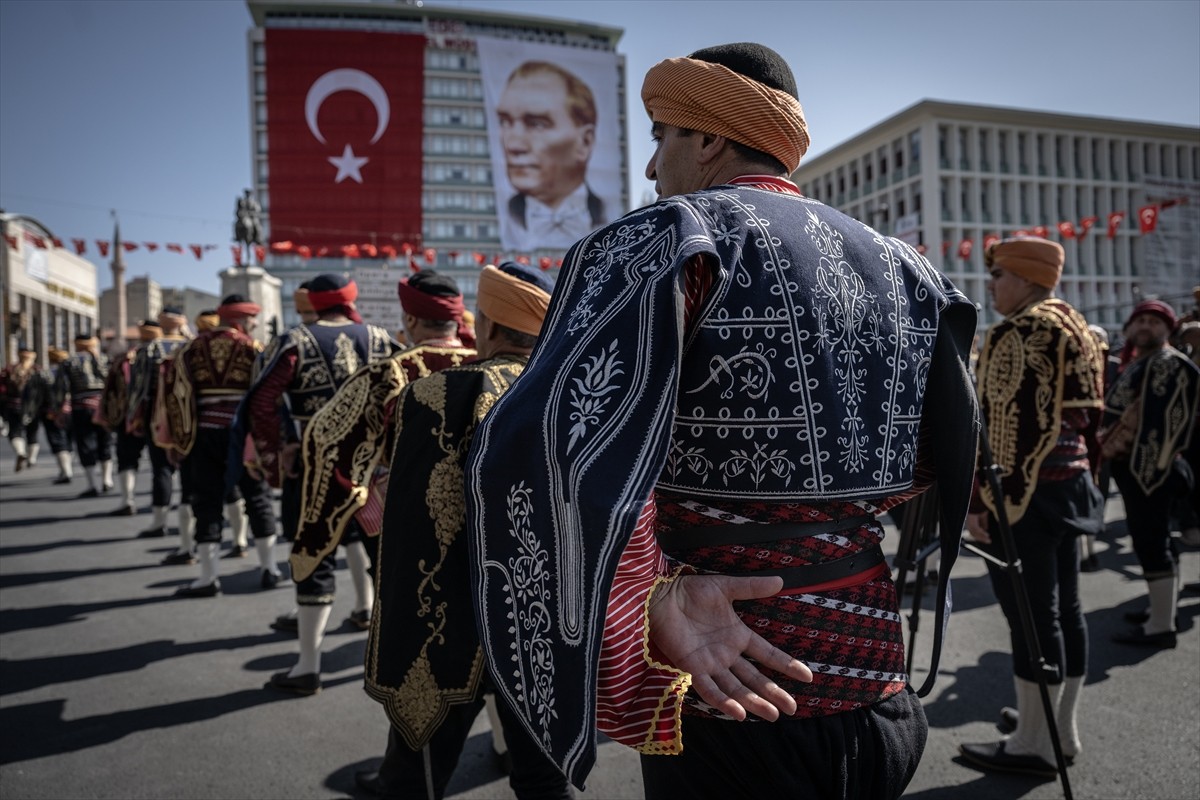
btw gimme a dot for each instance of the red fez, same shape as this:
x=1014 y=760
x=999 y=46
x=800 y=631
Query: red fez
x=428 y=306
x=237 y=306
x=1156 y=307
x=329 y=298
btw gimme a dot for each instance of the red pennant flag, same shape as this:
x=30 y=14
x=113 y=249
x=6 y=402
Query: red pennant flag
x=945 y=249
x=388 y=251
x=523 y=260
x=545 y=263
x=430 y=255
x=102 y=246
x=453 y=254
x=38 y=242
x=236 y=249
x=197 y=250
x=922 y=249
x=479 y=258
x=260 y=253
x=558 y=262
x=305 y=251
x=989 y=240
x=964 y=248
x=1067 y=230
x=1041 y=231
x=57 y=242
x=406 y=248
x=369 y=250
x=12 y=241
x=1174 y=201
x=1086 y=224
x=322 y=252
x=413 y=265
x=175 y=248
x=80 y=246
x=129 y=246
x=350 y=250
x=151 y=246
x=1148 y=218
x=1021 y=232
x=1114 y=222
x=282 y=247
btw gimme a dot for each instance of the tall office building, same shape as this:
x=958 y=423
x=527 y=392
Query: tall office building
x=951 y=176
x=390 y=133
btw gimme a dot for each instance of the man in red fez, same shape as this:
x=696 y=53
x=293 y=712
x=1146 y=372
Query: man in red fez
x=1149 y=417
x=209 y=377
x=304 y=369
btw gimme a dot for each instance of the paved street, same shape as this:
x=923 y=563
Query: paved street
x=112 y=688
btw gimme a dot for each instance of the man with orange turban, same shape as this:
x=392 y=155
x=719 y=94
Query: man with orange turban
x=1040 y=376
x=730 y=386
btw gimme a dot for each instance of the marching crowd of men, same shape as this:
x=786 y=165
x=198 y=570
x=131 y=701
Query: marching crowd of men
x=669 y=526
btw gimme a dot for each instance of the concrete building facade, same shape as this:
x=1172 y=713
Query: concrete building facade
x=458 y=206
x=938 y=173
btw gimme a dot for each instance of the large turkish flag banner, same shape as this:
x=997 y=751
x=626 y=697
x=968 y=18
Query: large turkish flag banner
x=344 y=130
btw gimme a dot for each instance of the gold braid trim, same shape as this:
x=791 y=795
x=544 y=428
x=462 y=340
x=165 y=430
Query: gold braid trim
x=671 y=699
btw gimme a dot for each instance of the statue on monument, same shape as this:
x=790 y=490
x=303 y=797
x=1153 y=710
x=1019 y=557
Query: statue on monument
x=247 y=229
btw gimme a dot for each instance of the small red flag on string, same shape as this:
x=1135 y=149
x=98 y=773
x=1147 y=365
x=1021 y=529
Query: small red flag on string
x=1148 y=218
x=413 y=265
x=175 y=248
x=12 y=241
x=80 y=246
x=369 y=250
x=1085 y=225
x=260 y=253
x=1041 y=231
x=282 y=247
x=479 y=258
x=989 y=240
x=151 y=246
x=1066 y=230
x=964 y=248
x=57 y=242
x=945 y=249
x=129 y=247
x=430 y=255
x=197 y=250
x=545 y=263
x=102 y=246
x=1114 y=222
x=236 y=249
x=304 y=251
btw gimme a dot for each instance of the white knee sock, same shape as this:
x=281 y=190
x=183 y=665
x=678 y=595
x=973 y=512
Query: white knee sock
x=160 y=516
x=237 y=522
x=208 y=553
x=499 y=744
x=311 y=623
x=128 y=484
x=266 y=553
x=1163 y=598
x=1068 y=726
x=357 y=563
x=1032 y=736
x=106 y=472
x=64 y=464
x=187 y=528
x=33 y=453
x=18 y=445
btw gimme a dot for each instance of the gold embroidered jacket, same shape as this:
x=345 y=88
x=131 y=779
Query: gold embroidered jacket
x=423 y=652
x=348 y=443
x=115 y=400
x=1168 y=384
x=1032 y=367
x=216 y=365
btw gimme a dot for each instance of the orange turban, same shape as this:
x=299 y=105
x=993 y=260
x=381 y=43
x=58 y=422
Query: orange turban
x=707 y=97
x=206 y=322
x=512 y=302
x=1036 y=260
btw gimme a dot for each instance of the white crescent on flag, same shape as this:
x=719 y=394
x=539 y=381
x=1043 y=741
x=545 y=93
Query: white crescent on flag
x=349 y=80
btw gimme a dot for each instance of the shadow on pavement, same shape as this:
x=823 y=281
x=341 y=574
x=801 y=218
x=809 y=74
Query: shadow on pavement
x=988 y=786
x=21 y=619
x=958 y=702
x=12 y=581
x=41 y=547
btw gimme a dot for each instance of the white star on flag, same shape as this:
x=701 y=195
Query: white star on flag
x=347 y=165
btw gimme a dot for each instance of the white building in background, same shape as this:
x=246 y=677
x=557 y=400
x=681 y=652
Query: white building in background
x=939 y=173
x=191 y=301
x=47 y=294
x=456 y=193
x=143 y=300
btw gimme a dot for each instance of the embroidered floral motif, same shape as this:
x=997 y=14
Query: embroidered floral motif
x=758 y=465
x=590 y=395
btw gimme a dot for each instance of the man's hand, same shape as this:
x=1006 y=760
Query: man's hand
x=694 y=626
x=977 y=526
x=289 y=460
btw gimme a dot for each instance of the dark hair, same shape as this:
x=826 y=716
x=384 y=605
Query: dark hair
x=581 y=104
x=515 y=337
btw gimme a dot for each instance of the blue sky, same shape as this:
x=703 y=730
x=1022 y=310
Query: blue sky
x=143 y=106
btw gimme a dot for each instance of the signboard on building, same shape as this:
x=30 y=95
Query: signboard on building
x=554 y=138
x=908 y=229
x=345 y=149
x=1172 y=250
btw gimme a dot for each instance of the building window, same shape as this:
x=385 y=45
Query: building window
x=1023 y=153
x=964 y=161
x=944 y=147
x=914 y=151
x=985 y=162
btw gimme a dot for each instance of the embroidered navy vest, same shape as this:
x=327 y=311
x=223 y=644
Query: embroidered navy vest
x=328 y=354
x=85 y=374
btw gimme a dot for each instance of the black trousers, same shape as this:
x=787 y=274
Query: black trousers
x=320 y=588
x=129 y=450
x=1045 y=541
x=869 y=753
x=207 y=465
x=1148 y=516
x=403 y=773
x=289 y=508
x=162 y=476
x=93 y=441
x=59 y=438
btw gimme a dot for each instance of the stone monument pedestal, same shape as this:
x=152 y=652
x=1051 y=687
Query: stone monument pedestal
x=258 y=286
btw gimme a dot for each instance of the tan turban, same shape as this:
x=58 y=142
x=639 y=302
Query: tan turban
x=711 y=98
x=1036 y=260
x=206 y=322
x=512 y=302
x=57 y=355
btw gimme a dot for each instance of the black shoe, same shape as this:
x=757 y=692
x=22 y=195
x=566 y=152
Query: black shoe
x=89 y=493
x=106 y=488
x=369 y=782
x=307 y=684
x=360 y=619
x=21 y=462
x=236 y=552
x=992 y=756
x=178 y=558
x=1089 y=564
x=270 y=579
x=123 y=511
x=502 y=762
x=209 y=590
x=61 y=479
x=286 y=623
x=1165 y=639
x=1142 y=617
x=152 y=533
